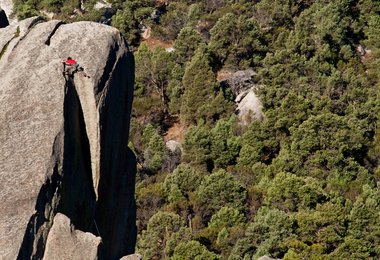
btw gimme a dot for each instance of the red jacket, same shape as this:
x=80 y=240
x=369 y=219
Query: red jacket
x=71 y=62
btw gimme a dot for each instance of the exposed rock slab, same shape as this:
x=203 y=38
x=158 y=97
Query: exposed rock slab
x=173 y=146
x=63 y=143
x=132 y=257
x=249 y=106
x=65 y=242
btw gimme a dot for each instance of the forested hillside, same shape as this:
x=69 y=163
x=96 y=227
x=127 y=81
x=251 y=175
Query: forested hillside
x=299 y=182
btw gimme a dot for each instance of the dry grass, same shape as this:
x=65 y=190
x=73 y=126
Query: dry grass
x=176 y=132
x=153 y=43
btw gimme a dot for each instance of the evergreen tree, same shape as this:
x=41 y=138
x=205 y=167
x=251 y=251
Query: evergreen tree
x=185 y=45
x=202 y=98
x=237 y=41
x=151 y=244
x=219 y=189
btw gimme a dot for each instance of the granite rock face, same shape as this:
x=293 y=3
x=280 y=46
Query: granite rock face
x=63 y=141
x=249 y=106
x=65 y=242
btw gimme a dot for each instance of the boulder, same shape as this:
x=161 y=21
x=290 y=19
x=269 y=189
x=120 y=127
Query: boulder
x=266 y=258
x=249 y=107
x=146 y=32
x=173 y=146
x=64 y=141
x=242 y=85
x=238 y=81
x=173 y=155
x=102 y=4
x=66 y=242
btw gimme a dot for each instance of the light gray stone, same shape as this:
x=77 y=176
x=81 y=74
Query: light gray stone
x=63 y=143
x=249 y=107
x=102 y=4
x=65 y=242
x=266 y=258
x=132 y=257
x=173 y=145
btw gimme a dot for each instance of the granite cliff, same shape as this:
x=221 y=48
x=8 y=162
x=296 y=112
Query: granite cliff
x=66 y=172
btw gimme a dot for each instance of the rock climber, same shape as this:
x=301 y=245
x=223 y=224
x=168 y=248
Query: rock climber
x=70 y=66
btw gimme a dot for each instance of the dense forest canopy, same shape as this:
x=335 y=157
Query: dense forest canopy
x=302 y=182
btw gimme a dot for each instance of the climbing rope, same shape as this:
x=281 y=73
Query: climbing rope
x=97 y=229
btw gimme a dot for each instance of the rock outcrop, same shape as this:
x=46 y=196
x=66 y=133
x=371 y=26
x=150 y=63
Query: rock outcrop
x=249 y=106
x=65 y=242
x=239 y=81
x=63 y=141
x=173 y=146
x=242 y=84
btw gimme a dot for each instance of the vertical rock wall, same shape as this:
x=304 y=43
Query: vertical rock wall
x=64 y=142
